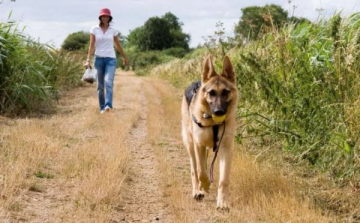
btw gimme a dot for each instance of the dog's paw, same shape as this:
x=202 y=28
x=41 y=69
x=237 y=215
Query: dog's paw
x=222 y=205
x=199 y=195
x=223 y=209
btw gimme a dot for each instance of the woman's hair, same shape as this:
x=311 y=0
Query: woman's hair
x=101 y=23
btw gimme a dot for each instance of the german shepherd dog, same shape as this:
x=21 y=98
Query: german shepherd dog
x=208 y=121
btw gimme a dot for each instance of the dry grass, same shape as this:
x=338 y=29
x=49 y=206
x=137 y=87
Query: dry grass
x=170 y=71
x=260 y=192
x=81 y=156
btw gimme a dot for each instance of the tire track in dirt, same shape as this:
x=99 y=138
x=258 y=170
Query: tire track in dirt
x=143 y=196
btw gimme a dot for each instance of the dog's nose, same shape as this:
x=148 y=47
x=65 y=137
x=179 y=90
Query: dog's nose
x=219 y=112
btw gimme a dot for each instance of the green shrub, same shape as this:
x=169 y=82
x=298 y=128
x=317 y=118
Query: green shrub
x=175 y=52
x=142 y=62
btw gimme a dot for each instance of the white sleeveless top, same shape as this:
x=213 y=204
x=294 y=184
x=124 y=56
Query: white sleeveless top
x=104 y=42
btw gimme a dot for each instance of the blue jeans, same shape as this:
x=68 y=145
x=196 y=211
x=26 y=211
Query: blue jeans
x=105 y=67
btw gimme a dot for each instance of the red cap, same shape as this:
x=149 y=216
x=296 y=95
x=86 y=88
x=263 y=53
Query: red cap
x=105 y=11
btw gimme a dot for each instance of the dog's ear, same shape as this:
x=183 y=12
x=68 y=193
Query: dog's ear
x=228 y=71
x=209 y=71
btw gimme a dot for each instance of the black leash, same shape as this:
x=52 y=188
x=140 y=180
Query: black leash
x=216 y=146
x=215 y=149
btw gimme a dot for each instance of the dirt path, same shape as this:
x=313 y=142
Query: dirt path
x=143 y=196
x=66 y=192
x=125 y=166
x=158 y=166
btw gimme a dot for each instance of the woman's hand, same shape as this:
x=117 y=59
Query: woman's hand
x=125 y=62
x=87 y=64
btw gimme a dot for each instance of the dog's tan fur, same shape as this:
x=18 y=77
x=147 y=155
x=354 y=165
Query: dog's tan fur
x=198 y=140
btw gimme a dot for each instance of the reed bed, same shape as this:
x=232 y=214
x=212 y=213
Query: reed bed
x=32 y=74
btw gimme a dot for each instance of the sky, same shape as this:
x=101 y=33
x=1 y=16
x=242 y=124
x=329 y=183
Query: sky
x=50 y=22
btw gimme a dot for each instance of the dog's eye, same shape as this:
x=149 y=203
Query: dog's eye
x=212 y=93
x=225 y=93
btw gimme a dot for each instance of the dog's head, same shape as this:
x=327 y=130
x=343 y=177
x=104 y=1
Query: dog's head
x=218 y=91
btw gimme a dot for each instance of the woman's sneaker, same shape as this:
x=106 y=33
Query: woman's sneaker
x=108 y=109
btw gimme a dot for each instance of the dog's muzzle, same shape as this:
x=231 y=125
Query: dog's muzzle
x=219 y=112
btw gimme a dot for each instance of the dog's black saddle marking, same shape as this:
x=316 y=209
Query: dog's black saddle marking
x=191 y=90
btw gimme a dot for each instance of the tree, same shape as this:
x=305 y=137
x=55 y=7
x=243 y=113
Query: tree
x=156 y=35
x=76 y=41
x=134 y=37
x=159 y=34
x=181 y=39
x=172 y=20
x=256 y=20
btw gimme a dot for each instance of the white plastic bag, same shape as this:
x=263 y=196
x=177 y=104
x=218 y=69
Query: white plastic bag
x=89 y=75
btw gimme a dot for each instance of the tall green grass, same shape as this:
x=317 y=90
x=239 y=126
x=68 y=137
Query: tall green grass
x=300 y=86
x=31 y=74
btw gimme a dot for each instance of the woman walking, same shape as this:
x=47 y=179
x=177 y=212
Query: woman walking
x=102 y=40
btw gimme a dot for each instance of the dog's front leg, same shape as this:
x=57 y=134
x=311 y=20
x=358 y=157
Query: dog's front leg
x=194 y=175
x=189 y=143
x=200 y=153
x=225 y=155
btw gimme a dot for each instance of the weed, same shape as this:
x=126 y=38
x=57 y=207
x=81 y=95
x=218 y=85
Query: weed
x=44 y=175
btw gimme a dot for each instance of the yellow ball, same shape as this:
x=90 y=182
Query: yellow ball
x=218 y=119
